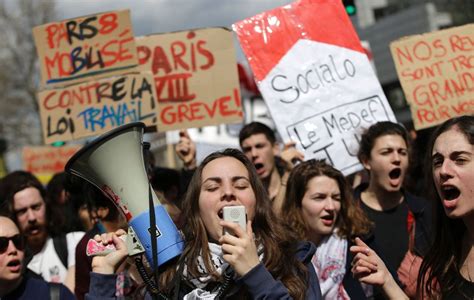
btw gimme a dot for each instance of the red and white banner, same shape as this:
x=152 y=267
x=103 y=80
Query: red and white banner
x=315 y=78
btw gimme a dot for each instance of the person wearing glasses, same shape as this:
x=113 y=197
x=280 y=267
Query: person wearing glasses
x=50 y=254
x=13 y=284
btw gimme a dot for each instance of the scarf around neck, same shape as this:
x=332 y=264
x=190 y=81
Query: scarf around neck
x=329 y=262
x=200 y=282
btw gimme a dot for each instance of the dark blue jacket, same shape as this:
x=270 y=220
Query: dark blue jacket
x=32 y=288
x=258 y=281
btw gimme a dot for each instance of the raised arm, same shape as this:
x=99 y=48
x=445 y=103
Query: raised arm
x=186 y=150
x=291 y=155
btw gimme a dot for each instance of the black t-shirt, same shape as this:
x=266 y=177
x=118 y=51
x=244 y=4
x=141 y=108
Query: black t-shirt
x=390 y=231
x=465 y=292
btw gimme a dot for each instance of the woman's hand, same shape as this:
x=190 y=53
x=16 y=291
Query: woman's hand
x=369 y=268
x=291 y=155
x=239 y=249
x=109 y=263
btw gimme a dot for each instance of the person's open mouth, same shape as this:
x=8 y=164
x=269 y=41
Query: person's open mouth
x=259 y=167
x=328 y=220
x=395 y=176
x=33 y=230
x=450 y=192
x=14 y=265
x=395 y=173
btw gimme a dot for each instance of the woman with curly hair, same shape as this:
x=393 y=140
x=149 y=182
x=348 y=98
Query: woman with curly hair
x=320 y=208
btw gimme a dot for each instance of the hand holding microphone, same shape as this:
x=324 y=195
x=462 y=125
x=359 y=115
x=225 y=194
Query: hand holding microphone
x=239 y=249
x=109 y=263
x=237 y=240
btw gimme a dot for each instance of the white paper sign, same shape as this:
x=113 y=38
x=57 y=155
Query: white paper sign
x=318 y=84
x=325 y=102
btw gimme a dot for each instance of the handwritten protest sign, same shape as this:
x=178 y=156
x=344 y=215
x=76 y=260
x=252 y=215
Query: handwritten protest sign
x=436 y=71
x=195 y=76
x=92 y=46
x=46 y=161
x=94 y=107
x=318 y=84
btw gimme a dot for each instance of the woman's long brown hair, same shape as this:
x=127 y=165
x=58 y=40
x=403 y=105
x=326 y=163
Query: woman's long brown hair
x=279 y=247
x=351 y=221
x=440 y=270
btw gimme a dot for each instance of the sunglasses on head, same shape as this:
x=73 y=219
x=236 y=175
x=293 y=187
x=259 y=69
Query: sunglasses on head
x=17 y=240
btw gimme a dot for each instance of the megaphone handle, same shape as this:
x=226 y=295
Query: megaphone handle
x=95 y=248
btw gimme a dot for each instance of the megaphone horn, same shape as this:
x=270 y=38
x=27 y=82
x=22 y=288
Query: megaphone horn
x=114 y=163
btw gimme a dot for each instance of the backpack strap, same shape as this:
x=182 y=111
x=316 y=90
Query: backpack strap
x=60 y=246
x=54 y=290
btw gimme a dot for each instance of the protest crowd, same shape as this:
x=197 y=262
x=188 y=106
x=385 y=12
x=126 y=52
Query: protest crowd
x=336 y=203
x=324 y=240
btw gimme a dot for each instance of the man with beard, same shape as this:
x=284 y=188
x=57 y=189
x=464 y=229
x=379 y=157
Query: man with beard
x=49 y=254
x=259 y=144
x=13 y=284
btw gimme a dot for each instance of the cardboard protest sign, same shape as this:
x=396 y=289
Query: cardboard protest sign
x=46 y=161
x=315 y=78
x=94 y=107
x=91 y=46
x=436 y=71
x=195 y=77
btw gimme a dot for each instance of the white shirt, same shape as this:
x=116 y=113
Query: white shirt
x=47 y=262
